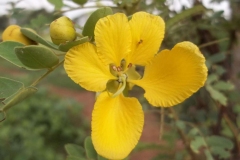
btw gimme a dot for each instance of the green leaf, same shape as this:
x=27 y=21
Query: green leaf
x=220 y=146
x=74 y=150
x=180 y=124
x=193 y=132
x=75 y=158
x=184 y=14
x=36 y=57
x=216 y=95
x=90 y=151
x=223 y=86
x=220 y=141
x=57 y=3
x=37 y=38
x=8 y=87
x=219 y=70
x=208 y=155
x=88 y=29
x=7 y=52
x=212 y=78
x=197 y=144
x=220 y=152
x=216 y=58
x=18 y=97
x=66 y=46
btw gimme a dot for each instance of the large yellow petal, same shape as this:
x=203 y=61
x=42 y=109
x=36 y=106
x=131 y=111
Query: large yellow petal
x=174 y=75
x=85 y=68
x=113 y=38
x=147 y=34
x=117 y=125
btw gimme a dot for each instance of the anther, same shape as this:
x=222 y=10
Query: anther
x=119 y=69
x=114 y=68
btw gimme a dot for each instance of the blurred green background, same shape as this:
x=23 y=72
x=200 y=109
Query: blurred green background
x=204 y=127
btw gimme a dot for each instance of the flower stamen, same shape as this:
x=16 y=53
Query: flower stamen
x=122 y=84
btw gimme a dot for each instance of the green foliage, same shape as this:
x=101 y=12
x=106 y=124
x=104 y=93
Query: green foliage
x=57 y=3
x=74 y=150
x=183 y=15
x=9 y=87
x=7 y=52
x=90 y=151
x=212 y=145
x=36 y=57
x=37 y=38
x=66 y=46
x=18 y=97
x=38 y=128
x=88 y=29
x=201 y=118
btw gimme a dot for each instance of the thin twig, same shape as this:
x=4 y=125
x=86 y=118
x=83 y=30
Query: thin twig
x=45 y=74
x=4 y=114
x=213 y=42
x=161 y=123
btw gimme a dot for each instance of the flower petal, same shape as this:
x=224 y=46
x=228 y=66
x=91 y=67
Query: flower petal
x=174 y=75
x=147 y=34
x=85 y=68
x=117 y=124
x=113 y=38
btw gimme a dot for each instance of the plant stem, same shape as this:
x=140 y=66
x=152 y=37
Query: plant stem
x=4 y=114
x=45 y=74
x=161 y=123
x=213 y=42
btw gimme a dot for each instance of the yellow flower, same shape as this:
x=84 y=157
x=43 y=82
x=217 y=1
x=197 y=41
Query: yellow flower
x=169 y=78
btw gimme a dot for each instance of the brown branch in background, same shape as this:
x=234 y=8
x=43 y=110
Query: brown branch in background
x=183 y=136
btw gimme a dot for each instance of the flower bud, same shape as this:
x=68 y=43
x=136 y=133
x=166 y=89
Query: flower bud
x=13 y=33
x=62 y=30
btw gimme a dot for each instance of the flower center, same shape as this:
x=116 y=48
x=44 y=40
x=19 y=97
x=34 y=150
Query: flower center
x=116 y=87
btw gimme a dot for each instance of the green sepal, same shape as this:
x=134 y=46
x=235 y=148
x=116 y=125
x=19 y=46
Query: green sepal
x=90 y=151
x=66 y=46
x=18 y=97
x=37 y=38
x=36 y=57
x=88 y=29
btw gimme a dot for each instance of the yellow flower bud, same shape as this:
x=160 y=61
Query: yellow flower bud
x=62 y=30
x=13 y=33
